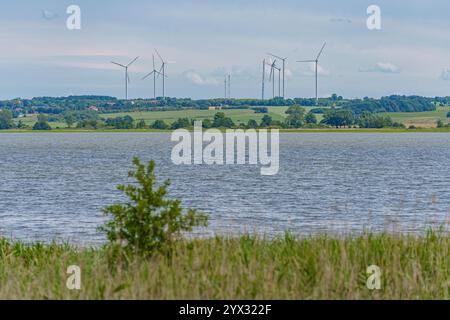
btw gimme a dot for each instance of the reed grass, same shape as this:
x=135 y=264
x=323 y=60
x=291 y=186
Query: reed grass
x=245 y=267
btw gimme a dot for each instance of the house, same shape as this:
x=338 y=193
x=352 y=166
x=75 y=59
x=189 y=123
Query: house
x=214 y=108
x=93 y=108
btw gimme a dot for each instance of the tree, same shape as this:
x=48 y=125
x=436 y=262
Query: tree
x=221 y=121
x=21 y=125
x=207 y=123
x=6 y=120
x=141 y=124
x=296 y=117
x=70 y=119
x=126 y=122
x=371 y=120
x=440 y=123
x=148 y=222
x=296 y=109
x=448 y=114
x=160 y=125
x=42 y=123
x=338 y=118
x=310 y=118
x=266 y=121
x=181 y=123
x=252 y=124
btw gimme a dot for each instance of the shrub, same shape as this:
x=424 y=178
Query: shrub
x=42 y=123
x=160 y=125
x=148 y=222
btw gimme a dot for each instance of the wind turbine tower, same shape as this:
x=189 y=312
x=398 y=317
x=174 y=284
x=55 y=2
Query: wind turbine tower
x=162 y=72
x=273 y=67
x=154 y=73
x=127 y=77
x=316 y=61
x=284 y=71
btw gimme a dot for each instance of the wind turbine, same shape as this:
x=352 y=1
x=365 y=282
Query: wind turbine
x=162 y=71
x=127 y=78
x=316 y=61
x=284 y=71
x=154 y=73
x=274 y=67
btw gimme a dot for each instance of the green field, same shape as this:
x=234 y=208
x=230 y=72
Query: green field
x=245 y=267
x=418 y=119
x=421 y=119
x=238 y=116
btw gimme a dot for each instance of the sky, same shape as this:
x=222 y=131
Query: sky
x=205 y=40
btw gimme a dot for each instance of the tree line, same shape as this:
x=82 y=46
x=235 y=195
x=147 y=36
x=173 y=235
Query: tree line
x=60 y=105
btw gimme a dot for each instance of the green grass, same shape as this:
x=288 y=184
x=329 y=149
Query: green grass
x=245 y=267
x=238 y=115
x=421 y=119
x=426 y=120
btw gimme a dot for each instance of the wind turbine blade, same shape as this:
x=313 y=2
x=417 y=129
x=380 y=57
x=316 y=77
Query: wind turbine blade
x=128 y=78
x=275 y=56
x=148 y=75
x=153 y=57
x=132 y=61
x=162 y=60
x=306 y=61
x=120 y=65
x=160 y=74
x=321 y=50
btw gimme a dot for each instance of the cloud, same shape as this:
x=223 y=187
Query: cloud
x=445 y=75
x=196 y=78
x=49 y=15
x=382 y=67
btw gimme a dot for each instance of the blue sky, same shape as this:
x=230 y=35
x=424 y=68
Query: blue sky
x=207 y=39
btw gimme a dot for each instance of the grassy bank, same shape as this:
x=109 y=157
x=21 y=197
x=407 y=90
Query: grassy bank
x=322 y=130
x=236 y=268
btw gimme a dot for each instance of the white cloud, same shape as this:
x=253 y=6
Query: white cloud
x=196 y=78
x=383 y=67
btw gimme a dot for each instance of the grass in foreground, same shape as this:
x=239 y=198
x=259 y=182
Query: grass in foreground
x=246 y=267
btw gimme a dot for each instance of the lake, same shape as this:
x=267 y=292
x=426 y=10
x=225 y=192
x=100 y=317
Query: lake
x=54 y=185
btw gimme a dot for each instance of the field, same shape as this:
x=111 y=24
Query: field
x=421 y=119
x=236 y=268
x=238 y=116
x=418 y=119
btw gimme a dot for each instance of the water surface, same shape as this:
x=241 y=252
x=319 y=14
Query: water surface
x=54 y=185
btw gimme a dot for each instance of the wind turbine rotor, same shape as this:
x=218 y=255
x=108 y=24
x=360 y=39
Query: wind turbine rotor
x=133 y=61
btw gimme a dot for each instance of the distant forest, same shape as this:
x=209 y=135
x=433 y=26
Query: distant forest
x=104 y=104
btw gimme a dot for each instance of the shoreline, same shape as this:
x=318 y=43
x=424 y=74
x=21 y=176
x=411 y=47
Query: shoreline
x=321 y=130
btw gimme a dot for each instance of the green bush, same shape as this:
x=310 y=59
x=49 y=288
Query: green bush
x=160 y=125
x=42 y=123
x=148 y=223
